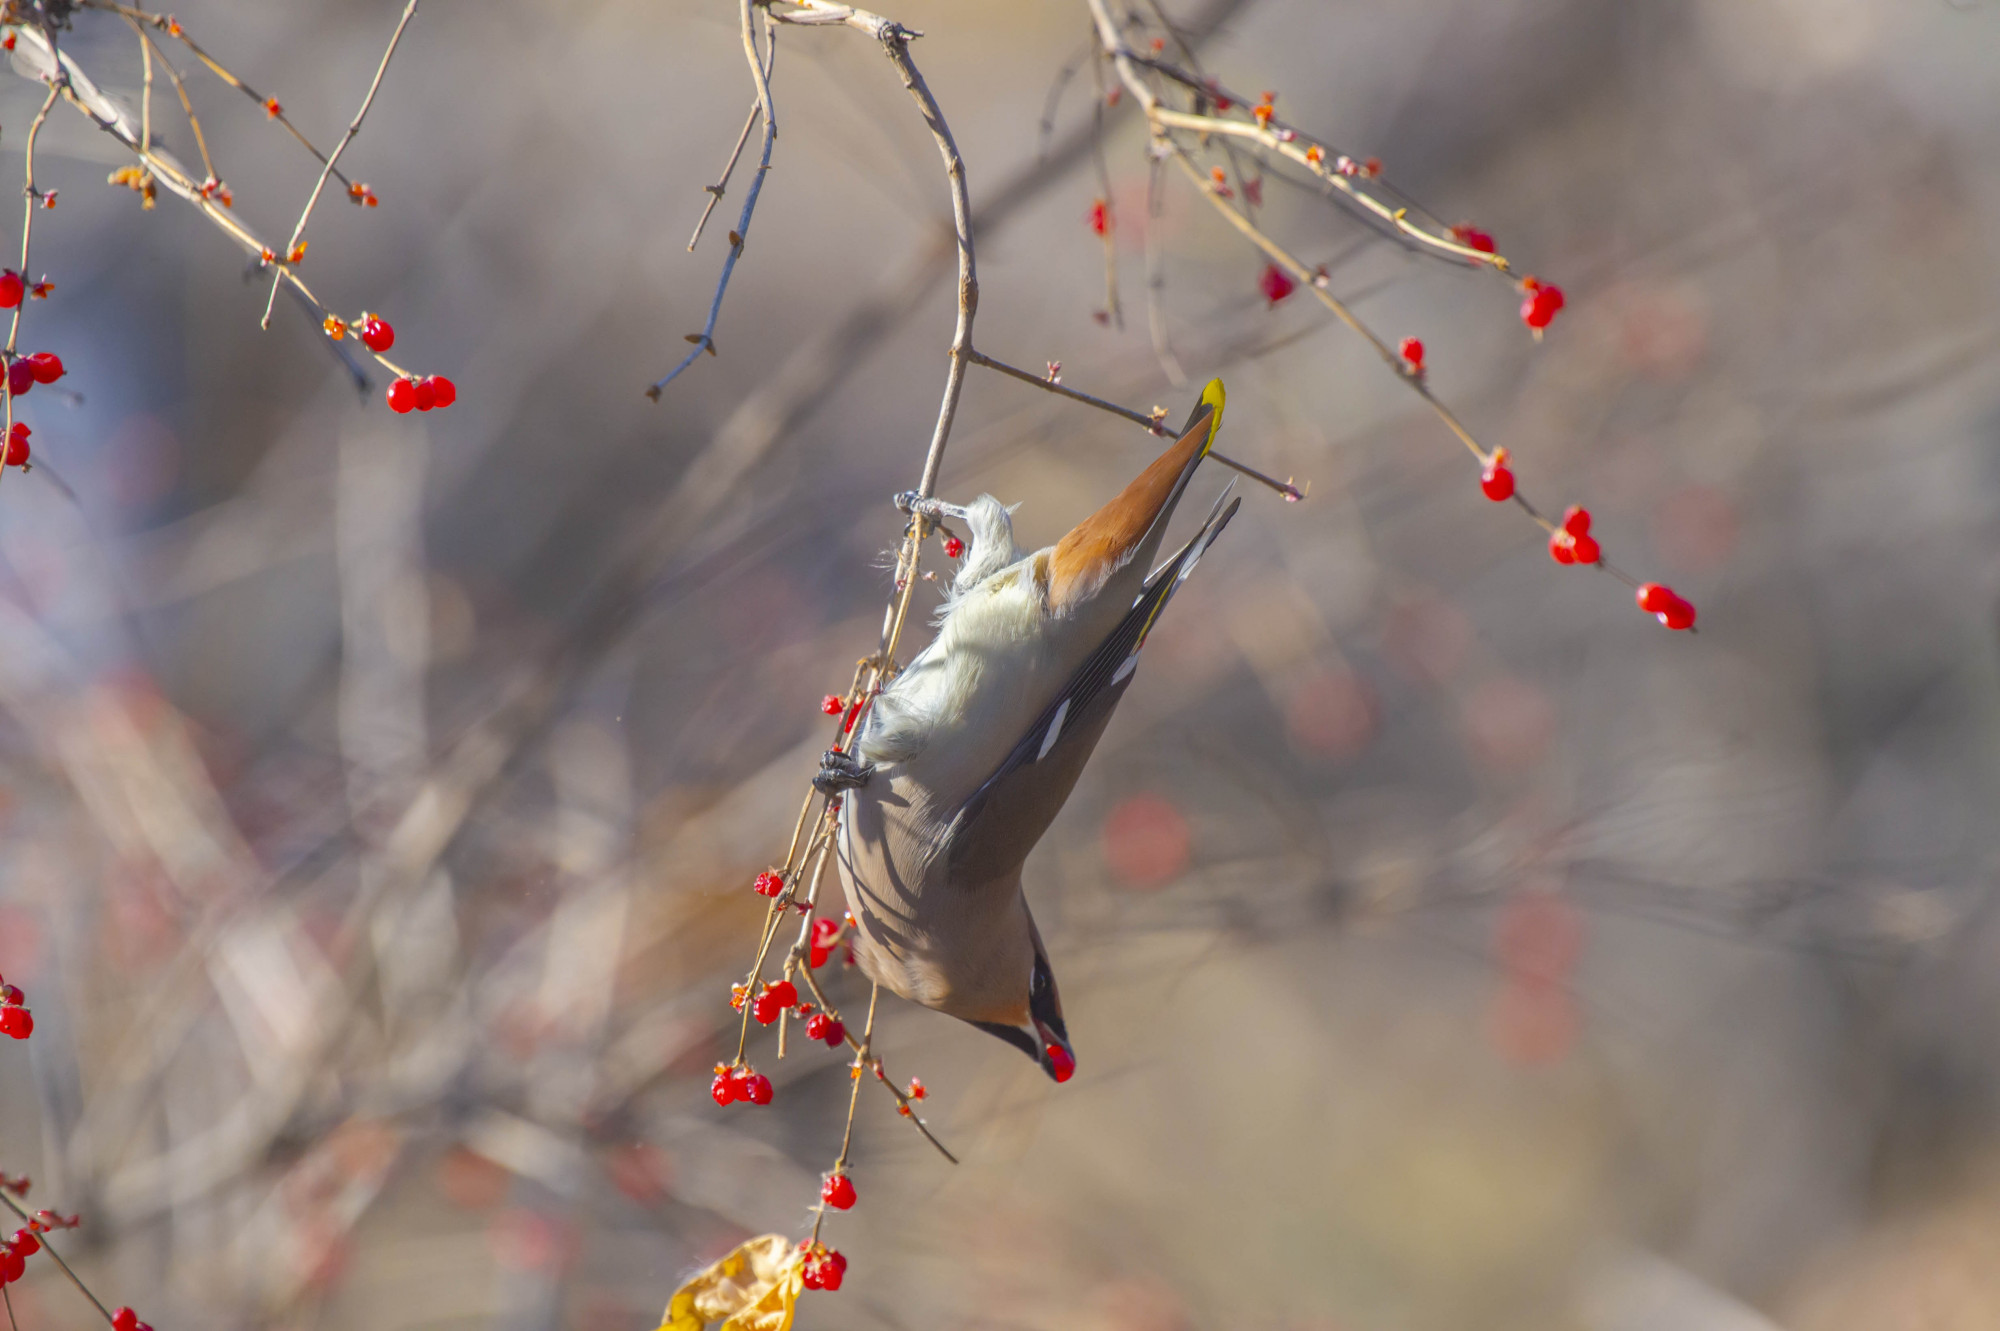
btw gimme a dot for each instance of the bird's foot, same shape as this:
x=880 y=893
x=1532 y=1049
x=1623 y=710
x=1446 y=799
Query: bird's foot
x=839 y=771
x=909 y=501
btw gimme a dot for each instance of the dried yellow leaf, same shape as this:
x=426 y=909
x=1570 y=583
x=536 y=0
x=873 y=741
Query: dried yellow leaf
x=754 y=1288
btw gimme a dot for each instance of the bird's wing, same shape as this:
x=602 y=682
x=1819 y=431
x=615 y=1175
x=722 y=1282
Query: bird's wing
x=997 y=826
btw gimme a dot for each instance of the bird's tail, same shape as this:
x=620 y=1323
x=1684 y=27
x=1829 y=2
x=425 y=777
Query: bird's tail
x=1131 y=525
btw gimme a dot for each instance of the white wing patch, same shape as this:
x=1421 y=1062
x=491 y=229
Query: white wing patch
x=1055 y=730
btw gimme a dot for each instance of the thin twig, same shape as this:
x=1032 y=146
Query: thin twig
x=705 y=339
x=55 y=1257
x=716 y=190
x=31 y=197
x=1153 y=421
x=353 y=128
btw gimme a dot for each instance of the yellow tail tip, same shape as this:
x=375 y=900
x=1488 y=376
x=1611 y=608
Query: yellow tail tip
x=1212 y=396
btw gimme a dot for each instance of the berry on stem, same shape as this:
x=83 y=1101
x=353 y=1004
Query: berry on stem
x=1572 y=543
x=953 y=547
x=46 y=366
x=767 y=884
x=837 y=1191
x=17 y=1022
x=1412 y=352
x=376 y=334
x=11 y=289
x=1496 y=482
x=445 y=389
x=424 y=395
x=756 y=1088
x=20 y=377
x=124 y=1319
x=1276 y=283
x=402 y=396
x=832 y=705
x=1540 y=303
x=1665 y=605
x=823 y=934
x=17 y=456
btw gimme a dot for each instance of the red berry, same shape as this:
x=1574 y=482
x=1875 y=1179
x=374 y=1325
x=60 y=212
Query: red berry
x=424 y=395
x=124 y=1320
x=1562 y=547
x=377 y=334
x=26 y=1243
x=757 y=1089
x=402 y=395
x=446 y=390
x=1540 y=305
x=1100 y=217
x=20 y=377
x=723 y=1088
x=836 y=1263
x=834 y=1033
x=816 y=1026
x=953 y=547
x=17 y=456
x=1276 y=283
x=832 y=705
x=1412 y=352
x=837 y=1191
x=823 y=934
x=17 y=1022
x=766 y=1008
x=47 y=366
x=11 y=289
x=768 y=884
x=12 y=1266
x=1576 y=520
x=1497 y=481
x=785 y=992
x=1586 y=549
x=809 y=1275
x=1061 y=1063
x=1679 y=615
x=1473 y=238
x=8 y=993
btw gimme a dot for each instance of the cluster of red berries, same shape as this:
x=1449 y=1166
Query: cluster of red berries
x=734 y=1083
x=837 y=1191
x=1666 y=605
x=44 y=367
x=433 y=390
x=1572 y=543
x=1496 y=481
x=14 y=1255
x=1412 y=352
x=15 y=1020
x=17 y=446
x=776 y=999
x=1539 y=303
x=828 y=1030
x=824 y=1267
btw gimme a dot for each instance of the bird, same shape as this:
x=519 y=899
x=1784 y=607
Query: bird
x=966 y=757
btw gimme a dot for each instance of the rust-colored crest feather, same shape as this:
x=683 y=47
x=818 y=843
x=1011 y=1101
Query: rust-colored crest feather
x=1097 y=546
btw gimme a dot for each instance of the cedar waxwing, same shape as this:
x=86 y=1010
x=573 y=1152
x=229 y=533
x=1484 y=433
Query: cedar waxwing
x=966 y=757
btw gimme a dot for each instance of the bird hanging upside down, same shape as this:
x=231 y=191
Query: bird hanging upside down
x=965 y=759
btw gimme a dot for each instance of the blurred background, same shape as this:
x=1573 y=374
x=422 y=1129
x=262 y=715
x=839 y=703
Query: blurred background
x=1445 y=944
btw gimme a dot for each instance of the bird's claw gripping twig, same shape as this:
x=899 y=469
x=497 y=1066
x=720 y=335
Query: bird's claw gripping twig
x=909 y=501
x=840 y=771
